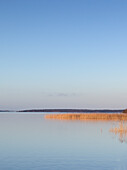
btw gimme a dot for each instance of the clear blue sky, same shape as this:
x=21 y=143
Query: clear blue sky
x=63 y=54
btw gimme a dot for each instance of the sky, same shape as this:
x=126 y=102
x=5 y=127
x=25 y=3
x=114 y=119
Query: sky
x=63 y=54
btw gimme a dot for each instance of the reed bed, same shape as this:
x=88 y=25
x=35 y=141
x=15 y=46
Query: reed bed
x=88 y=116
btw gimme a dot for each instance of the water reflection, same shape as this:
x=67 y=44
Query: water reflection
x=28 y=141
x=120 y=131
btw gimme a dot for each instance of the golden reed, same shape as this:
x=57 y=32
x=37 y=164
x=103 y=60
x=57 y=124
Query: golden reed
x=88 y=116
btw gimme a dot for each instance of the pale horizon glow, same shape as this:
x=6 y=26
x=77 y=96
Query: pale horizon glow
x=63 y=54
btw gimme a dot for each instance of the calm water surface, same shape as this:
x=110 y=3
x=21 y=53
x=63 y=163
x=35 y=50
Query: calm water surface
x=30 y=142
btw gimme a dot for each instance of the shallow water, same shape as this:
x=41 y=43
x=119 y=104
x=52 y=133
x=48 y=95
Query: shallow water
x=28 y=141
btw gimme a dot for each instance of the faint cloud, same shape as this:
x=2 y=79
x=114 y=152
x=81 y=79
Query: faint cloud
x=62 y=94
x=66 y=94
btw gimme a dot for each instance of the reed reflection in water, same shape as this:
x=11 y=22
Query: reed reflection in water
x=120 y=131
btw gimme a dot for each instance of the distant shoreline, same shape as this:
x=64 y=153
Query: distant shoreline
x=75 y=110
x=69 y=110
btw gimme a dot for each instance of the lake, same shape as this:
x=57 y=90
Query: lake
x=28 y=141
